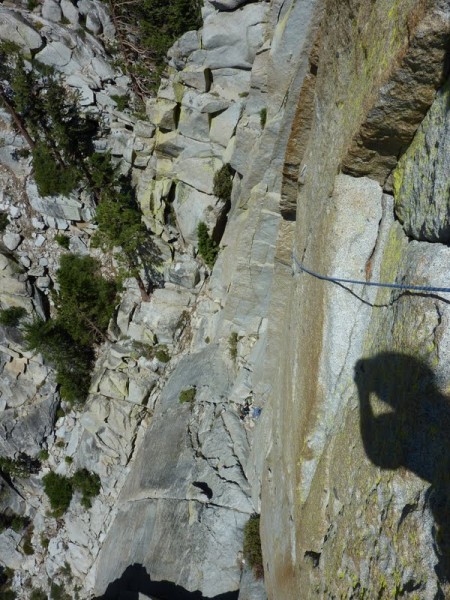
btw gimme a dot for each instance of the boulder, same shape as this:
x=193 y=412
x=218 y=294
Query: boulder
x=161 y=316
x=191 y=207
x=231 y=84
x=162 y=113
x=198 y=173
x=14 y=28
x=51 y=11
x=232 y=39
x=223 y=126
x=12 y=240
x=55 y=54
x=70 y=12
x=184 y=271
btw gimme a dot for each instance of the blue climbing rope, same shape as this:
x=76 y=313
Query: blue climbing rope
x=395 y=286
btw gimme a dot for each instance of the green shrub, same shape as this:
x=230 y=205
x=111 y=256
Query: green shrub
x=3 y=221
x=162 y=355
x=223 y=183
x=27 y=545
x=21 y=467
x=187 y=395
x=10 y=317
x=122 y=102
x=252 y=545
x=88 y=484
x=263 y=117
x=86 y=299
x=73 y=362
x=13 y=521
x=57 y=592
x=207 y=247
x=38 y=594
x=62 y=240
x=68 y=460
x=19 y=522
x=232 y=344
x=44 y=541
x=51 y=177
x=59 y=490
x=43 y=454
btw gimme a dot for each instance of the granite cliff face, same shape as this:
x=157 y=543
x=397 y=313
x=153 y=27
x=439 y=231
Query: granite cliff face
x=320 y=406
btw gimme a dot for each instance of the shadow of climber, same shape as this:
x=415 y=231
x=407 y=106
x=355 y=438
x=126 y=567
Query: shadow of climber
x=414 y=434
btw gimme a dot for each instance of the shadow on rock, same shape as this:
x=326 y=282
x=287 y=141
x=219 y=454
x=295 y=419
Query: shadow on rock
x=135 y=580
x=411 y=431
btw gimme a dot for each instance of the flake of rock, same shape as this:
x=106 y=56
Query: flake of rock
x=12 y=240
x=43 y=283
x=55 y=54
x=15 y=212
x=25 y=260
x=184 y=272
x=38 y=223
x=93 y=23
x=39 y=241
x=70 y=11
x=14 y=28
x=51 y=11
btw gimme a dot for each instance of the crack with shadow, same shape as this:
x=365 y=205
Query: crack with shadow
x=413 y=435
x=135 y=580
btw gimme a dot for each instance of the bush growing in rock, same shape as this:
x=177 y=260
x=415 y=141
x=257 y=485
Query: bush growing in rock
x=13 y=521
x=22 y=466
x=252 y=546
x=263 y=117
x=10 y=317
x=62 y=240
x=73 y=361
x=3 y=221
x=88 y=484
x=38 y=594
x=207 y=247
x=187 y=395
x=85 y=301
x=59 y=490
x=223 y=183
x=162 y=355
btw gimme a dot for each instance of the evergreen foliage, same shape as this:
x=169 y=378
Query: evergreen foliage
x=187 y=395
x=10 y=317
x=146 y=30
x=59 y=490
x=223 y=183
x=3 y=221
x=62 y=240
x=88 y=484
x=207 y=247
x=73 y=361
x=49 y=118
x=86 y=299
x=252 y=545
x=22 y=466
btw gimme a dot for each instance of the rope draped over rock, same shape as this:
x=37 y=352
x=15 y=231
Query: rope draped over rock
x=397 y=286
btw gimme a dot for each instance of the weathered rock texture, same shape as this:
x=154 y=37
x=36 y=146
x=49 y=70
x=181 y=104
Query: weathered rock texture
x=421 y=185
x=342 y=474
x=322 y=406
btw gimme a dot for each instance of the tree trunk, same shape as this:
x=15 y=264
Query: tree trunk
x=17 y=119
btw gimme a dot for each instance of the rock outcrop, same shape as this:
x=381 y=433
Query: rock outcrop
x=252 y=386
